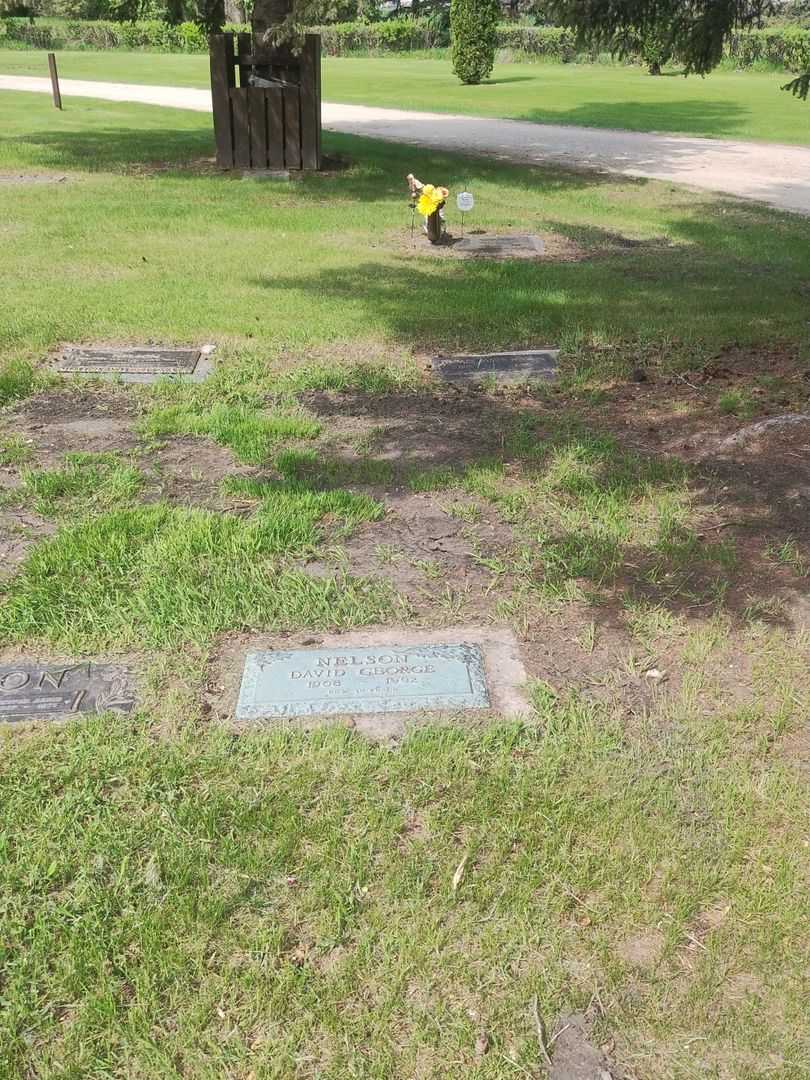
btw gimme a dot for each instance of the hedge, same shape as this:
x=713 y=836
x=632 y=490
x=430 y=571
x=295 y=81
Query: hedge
x=786 y=47
x=549 y=42
x=338 y=39
x=392 y=35
x=185 y=37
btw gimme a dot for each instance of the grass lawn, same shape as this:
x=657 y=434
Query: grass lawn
x=178 y=900
x=728 y=104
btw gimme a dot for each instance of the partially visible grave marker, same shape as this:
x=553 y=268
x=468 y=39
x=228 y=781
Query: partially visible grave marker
x=147 y=360
x=322 y=682
x=510 y=246
x=31 y=691
x=508 y=367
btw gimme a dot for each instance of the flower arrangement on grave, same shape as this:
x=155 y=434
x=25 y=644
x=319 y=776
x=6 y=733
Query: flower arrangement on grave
x=429 y=200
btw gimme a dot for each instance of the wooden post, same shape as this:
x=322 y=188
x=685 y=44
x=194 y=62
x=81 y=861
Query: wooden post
x=57 y=97
x=222 y=81
x=311 y=102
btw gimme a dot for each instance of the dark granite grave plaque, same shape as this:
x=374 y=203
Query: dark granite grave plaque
x=510 y=246
x=510 y=367
x=147 y=360
x=320 y=682
x=32 y=691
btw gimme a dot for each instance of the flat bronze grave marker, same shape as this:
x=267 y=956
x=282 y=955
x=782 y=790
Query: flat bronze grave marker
x=32 y=691
x=146 y=360
x=510 y=246
x=506 y=367
x=322 y=682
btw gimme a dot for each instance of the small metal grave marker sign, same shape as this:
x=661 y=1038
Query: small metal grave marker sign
x=508 y=367
x=320 y=682
x=145 y=360
x=31 y=691
x=511 y=246
x=465 y=201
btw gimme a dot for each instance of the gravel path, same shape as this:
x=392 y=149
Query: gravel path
x=768 y=172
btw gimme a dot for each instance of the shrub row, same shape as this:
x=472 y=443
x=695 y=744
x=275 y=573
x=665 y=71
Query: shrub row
x=392 y=35
x=185 y=37
x=549 y=42
x=786 y=47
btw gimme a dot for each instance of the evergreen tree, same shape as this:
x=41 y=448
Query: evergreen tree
x=473 y=24
x=694 y=30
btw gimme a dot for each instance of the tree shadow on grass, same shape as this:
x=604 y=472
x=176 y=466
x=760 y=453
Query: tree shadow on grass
x=485 y=447
x=440 y=306
x=361 y=168
x=376 y=161
x=507 y=79
x=691 y=116
x=118 y=149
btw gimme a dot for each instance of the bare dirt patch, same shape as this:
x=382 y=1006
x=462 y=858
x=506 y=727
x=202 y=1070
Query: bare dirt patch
x=795 y=748
x=204 y=166
x=419 y=430
x=557 y=248
x=642 y=950
x=743 y=985
x=32 y=178
x=575 y=1056
x=420 y=548
x=428 y=554
x=185 y=470
x=189 y=470
x=75 y=419
x=453 y=554
x=20 y=530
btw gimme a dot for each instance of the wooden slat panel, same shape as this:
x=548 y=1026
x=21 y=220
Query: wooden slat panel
x=221 y=54
x=257 y=114
x=292 y=127
x=241 y=127
x=319 y=96
x=311 y=102
x=275 y=128
x=244 y=47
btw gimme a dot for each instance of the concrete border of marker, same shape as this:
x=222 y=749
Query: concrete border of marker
x=504 y=674
x=112 y=684
x=198 y=372
x=505 y=368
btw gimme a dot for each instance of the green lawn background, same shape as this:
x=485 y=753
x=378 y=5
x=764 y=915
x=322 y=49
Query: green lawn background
x=727 y=104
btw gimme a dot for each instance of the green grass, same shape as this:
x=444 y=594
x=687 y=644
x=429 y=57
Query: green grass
x=736 y=403
x=314 y=466
x=250 y=434
x=179 y=900
x=325 y=264
x=17 y=380
x=727 y=104
x=158 y=575
x=204 y=905
x=89 y=481
x=14 y=450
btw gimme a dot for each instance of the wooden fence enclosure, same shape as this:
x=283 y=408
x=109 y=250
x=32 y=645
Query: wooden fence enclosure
x=272 y=119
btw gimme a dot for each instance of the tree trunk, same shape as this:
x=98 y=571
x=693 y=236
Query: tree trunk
x=235 y=11
x=267 y=16
x=655 y=68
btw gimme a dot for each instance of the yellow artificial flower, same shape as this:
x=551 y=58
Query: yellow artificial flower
x=430 y=199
